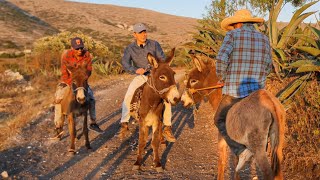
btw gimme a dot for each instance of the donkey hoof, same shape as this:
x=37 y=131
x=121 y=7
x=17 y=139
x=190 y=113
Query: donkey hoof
x=159 y=169
x=136 y=167
x=89 y=149
x=71 y=152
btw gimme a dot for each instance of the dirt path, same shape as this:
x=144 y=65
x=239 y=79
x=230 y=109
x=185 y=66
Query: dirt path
x=193 y=156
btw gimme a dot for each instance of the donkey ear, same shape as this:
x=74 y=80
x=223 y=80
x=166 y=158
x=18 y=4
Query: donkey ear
x=197 y=62
x=170 y=57
x=152 y=60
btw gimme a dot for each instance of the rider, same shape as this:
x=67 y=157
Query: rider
x=243 y=63
x=134 y=61
x=76 y=55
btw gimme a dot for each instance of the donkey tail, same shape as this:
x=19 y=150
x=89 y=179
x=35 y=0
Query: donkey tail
x=277 y=135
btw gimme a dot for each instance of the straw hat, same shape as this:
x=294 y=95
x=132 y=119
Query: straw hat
x=243 y=15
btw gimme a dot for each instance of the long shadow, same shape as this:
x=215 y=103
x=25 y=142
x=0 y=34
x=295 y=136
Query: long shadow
x=111 y=155
x=185 y=117
x=17 y=160
x=182 y=119
x=95 y=144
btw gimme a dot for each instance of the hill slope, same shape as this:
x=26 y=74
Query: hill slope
x=107 y=22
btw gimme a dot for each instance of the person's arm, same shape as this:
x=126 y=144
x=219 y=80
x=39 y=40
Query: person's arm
x=159 y=52
x=89 y=64
x=126 y=62
x=269 y=60
x=64 y=71
x=224 y=56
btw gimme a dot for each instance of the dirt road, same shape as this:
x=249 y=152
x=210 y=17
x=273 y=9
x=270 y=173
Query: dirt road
x=193 y=156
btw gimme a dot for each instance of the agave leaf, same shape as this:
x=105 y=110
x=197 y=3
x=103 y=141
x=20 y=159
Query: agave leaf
x=311 y=50
x=308 y=68
x=273 y=16
x=307 y=39
x=290 y=28
x=282 y=54
x=294 y=87
x=304 y=62
x=315 y=31
x=303 y=8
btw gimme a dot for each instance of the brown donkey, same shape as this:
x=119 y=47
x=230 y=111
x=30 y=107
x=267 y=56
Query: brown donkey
x=249 y=122
x=74 y=103
x=159 y=88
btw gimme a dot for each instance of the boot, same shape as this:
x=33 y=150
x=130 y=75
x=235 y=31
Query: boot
x=124 y=130
x=167 y=133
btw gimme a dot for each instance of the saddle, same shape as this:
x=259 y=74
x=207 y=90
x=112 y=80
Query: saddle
x=135 y=102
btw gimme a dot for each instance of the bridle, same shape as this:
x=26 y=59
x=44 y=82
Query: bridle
x=151 y=84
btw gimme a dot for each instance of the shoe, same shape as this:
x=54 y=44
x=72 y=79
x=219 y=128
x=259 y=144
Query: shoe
x=167 y=133
x=59 y=133
x=124 y=130
x=243 y=158
x=95 y=127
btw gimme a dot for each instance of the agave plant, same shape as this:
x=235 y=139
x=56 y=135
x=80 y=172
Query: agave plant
x=295 y=50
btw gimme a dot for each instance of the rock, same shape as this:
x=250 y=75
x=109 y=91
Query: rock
x=4 y=174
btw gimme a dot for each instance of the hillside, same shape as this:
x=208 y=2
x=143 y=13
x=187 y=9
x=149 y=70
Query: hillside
x=104 y=22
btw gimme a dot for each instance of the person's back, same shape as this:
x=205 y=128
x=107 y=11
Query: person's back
x=248 y=63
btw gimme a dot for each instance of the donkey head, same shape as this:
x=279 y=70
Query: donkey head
x=79 y=78
x=162 y=78
x=202 y=76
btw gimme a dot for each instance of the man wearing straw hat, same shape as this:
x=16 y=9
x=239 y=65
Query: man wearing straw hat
x=243 y=63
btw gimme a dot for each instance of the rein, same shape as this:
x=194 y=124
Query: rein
x=191 y=91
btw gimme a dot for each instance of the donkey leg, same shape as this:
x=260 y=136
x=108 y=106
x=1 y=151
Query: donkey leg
x=156 y=136
x=222 y=149
x=86 y=131
x=72 y=131
x=263 y=164
x=143 y=132
x=235 y=160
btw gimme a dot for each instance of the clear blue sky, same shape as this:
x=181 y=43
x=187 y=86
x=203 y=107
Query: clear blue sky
x=192 y=8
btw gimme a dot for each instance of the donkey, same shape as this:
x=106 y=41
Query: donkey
x=75 y=103
x=249 y=122
x=159 y=88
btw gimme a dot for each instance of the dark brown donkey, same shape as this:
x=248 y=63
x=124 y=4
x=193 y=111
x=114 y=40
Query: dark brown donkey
x=250 y=121
x=74 y=103
x=160 y=87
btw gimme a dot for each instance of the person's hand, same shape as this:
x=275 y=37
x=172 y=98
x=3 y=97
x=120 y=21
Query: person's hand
x=140 y=71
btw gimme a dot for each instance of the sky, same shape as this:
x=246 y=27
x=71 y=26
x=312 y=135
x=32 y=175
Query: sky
x=194 y=8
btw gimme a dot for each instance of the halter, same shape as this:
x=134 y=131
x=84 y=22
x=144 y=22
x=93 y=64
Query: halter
x=151 y=84
x=78 y=88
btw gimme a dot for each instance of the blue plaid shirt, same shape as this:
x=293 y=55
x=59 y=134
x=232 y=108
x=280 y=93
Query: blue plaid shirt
x=244 y=61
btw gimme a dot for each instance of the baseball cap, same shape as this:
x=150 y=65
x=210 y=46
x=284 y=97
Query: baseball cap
x=137 y=28
x=77 y=43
